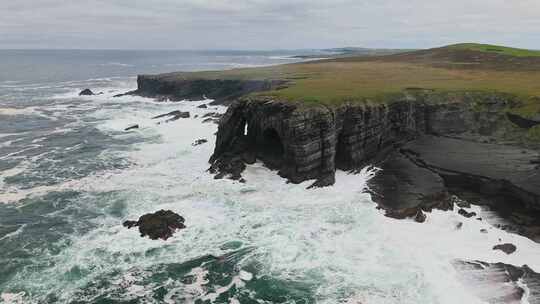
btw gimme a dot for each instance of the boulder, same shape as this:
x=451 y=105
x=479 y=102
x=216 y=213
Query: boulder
x=86 y=92
x=135 y=126
x=203 y=106
x=172 y=116
x=466 y=214
x=199 y=142
x=420 y=217
x=506 y=248
x=159 y=225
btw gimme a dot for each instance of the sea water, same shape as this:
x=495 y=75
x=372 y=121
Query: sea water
x=70 y=175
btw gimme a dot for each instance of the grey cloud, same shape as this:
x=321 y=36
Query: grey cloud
x=263 y=24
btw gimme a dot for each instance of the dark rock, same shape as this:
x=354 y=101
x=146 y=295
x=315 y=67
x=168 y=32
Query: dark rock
x=172 y=116
x=405 y=189
x=420 y=217
x=463 y=164
x=129 y=93
x=466 y=214
x=249 y=157
x=207 y=120
x=176 y=113
x=507 y=280
x=506 y=248
x=159 y=225
x=521 y=121
x=463 y=204
x=199 y=142
x=86 y=92
x=459 y=225
x=203 y=106
x=483 y=231
x=232 y=167
x=324 y=181
x=131 y=127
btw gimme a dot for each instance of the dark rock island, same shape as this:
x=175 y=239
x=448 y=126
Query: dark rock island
x=458 y=120
x=159 y=225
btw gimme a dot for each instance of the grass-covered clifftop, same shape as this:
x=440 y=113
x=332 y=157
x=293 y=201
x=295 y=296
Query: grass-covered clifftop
x=461 y=67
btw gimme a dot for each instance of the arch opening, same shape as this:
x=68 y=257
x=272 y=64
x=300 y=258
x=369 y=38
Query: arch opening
x=342 y=159
x=270 y=149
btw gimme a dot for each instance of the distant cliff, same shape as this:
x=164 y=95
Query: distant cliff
x=222 y=91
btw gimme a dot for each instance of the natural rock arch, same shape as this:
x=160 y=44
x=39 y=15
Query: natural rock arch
x=342 y=158
x=270 y=148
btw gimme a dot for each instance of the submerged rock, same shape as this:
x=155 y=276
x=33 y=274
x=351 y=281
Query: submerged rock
x=173 y=115
x=506 y=248
x=135 y=126
x=200 y=142
x=507 y=281
x=86 y=92
x=159 y=225
x=465 y=213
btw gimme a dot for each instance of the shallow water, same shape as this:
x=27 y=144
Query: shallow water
x=70 y=175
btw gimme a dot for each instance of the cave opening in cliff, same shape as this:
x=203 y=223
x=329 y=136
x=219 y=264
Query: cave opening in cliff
x=270 y=149
x=342 y=160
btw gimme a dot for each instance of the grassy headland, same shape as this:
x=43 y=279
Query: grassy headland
x=455 y=68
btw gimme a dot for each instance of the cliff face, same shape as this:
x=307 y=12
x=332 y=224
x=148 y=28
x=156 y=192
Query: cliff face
x=309 y=143
x=222 y=91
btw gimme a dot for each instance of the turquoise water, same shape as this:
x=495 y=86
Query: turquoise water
x=70 y=175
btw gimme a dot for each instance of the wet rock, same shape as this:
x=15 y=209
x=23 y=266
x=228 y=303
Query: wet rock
x=172 y=116
x=231 y=166
x=506 y=248
x=462 y=203
x=86 y=92
x=420 y=217
x=203 y=106
x=506 y=281
x=465 y=213
x=521 y=121
x=324 y=181
x=249 y=157
x=404 y=189
x=208 y=120
x=135 y=126
x=159 y=225
x=212 y=117
x=200 y=142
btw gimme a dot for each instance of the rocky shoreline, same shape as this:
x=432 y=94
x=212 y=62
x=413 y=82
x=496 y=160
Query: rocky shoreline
x=430 y=146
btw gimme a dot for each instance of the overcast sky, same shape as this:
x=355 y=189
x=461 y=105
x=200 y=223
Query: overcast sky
x=266 y=24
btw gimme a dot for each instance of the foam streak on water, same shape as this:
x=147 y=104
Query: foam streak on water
x=265 y=240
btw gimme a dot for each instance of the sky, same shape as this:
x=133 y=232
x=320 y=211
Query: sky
x=266 y=24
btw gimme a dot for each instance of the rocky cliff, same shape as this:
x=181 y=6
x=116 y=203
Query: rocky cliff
x=174 y=86
x=310 y=141
x=428 y=143
x=425 y=143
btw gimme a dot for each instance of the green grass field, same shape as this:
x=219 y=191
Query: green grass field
x=503 y=50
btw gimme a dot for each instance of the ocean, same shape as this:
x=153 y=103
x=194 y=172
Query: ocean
x=70 y=175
